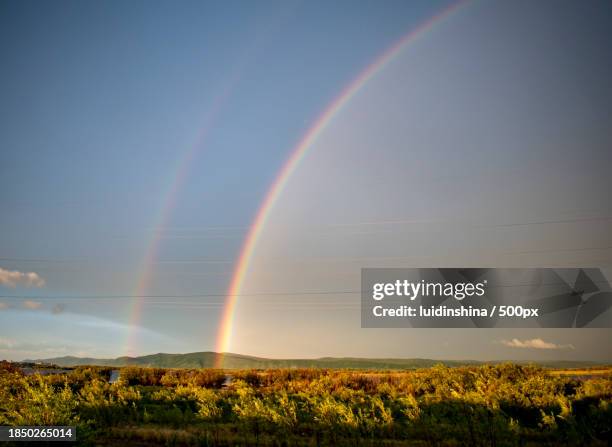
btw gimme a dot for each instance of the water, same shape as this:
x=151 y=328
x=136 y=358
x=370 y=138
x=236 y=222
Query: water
x=115 y=375
x=44 y=372
x=228 y=381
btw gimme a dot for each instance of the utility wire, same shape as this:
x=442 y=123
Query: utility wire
x=295 y=293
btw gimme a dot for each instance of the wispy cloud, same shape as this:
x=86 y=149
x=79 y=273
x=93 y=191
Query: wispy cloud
x=32 y=305
x=534 y=343
x=57 y=309
x=14 y=278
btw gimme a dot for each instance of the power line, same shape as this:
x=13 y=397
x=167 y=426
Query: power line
x=223 y=295
x=332 y=258
x=78 y=261
x=201 y=295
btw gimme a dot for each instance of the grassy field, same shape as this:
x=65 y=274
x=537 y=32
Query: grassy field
x=501 y=405
x=581 y=372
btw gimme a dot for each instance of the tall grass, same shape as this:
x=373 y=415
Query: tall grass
x=504 y=405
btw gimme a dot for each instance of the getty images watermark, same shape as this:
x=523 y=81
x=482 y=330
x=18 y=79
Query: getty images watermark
x=485 y=297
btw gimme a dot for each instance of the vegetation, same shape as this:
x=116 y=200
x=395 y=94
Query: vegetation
x=501 y=405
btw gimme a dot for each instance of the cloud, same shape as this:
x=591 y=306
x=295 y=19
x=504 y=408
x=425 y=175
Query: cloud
x=32 y=305
x=14 y=278
x=35 y=305
x=58 y=309
x=6 y=343
x=534 y=343
x=15 y=350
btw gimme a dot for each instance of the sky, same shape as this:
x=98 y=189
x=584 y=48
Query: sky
x=138 y=141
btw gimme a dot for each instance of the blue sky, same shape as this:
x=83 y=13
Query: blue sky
x=100 y=102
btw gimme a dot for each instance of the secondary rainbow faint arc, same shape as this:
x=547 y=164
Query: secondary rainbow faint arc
x=178 y=178
x=274 y=192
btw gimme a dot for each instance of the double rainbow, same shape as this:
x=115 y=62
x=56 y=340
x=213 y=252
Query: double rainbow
x=246 y=254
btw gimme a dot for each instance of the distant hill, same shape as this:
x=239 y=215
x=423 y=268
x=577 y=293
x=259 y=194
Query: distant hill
x=237 y=361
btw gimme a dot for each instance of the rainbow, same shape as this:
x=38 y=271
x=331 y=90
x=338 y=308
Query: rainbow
x=177 y=179
x=148 y=265
x=297 y=155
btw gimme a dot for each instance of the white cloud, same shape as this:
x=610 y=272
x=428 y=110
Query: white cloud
x=14 y=278
x=32 y=305
x=534 y=343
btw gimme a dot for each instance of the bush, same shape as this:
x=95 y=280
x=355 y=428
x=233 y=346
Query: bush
x=504 y=405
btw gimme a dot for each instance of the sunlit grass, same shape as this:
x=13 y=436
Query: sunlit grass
x=502 y=405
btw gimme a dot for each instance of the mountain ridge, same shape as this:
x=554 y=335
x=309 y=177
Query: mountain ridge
x=207 y=359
